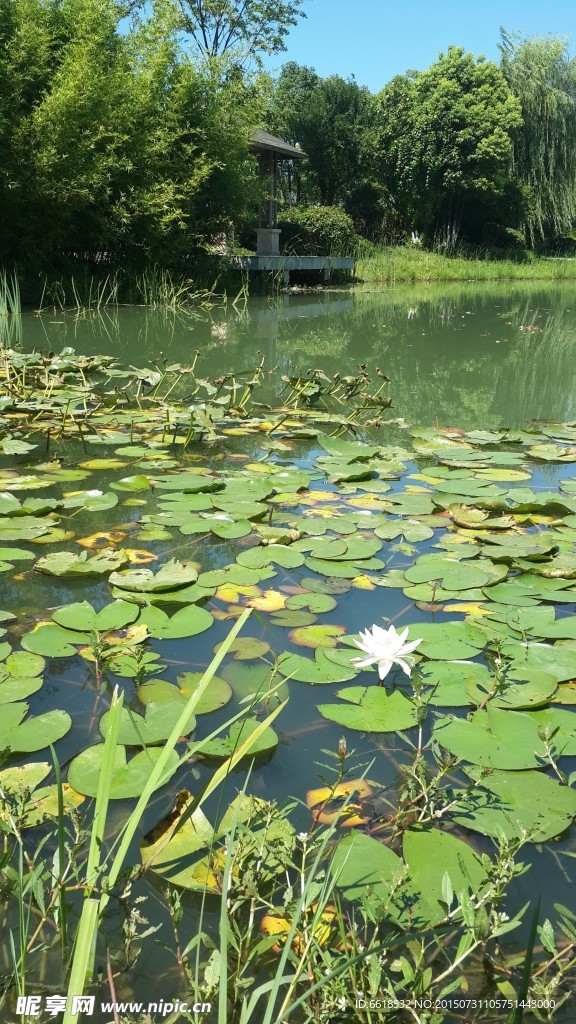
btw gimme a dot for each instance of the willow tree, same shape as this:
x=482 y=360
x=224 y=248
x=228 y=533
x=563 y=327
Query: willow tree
x=541 y=73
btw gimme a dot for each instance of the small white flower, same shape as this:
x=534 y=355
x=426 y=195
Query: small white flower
x=386 y=647
x=341 y=1003
x=303 y=837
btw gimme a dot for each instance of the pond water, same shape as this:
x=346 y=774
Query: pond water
x=471 y=355
x=468 y=356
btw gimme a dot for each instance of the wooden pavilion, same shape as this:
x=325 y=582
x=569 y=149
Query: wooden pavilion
x=270 y=151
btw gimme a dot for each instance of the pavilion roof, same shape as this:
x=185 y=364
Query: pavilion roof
x=272 y=144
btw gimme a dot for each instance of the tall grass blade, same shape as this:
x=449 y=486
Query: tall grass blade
x=104 y=786
x=63 y=922
x=83 y=953
x=156 y=775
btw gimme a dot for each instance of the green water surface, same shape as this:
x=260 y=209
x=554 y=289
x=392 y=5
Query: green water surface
x=468 y=355
x=472 y=355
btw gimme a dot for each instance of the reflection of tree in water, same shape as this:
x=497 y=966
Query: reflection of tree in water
x=466 y=354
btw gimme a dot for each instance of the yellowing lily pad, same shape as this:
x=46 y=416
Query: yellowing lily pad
x=318 y=635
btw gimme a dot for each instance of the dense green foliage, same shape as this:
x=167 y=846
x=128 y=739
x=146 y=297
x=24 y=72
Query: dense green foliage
x=442 y=144
x=244 y=27
x=113 y=143
x=125 y=140
x=317 y=231
x=542 y=75
x=328 y=118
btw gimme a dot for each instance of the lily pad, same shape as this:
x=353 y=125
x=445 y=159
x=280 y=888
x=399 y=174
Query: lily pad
x=247 y=648
x=240 y=733
x=450 y=641
x=319 y=635
x=128 y=777
x=53 y=641
x=171 y=576
x=160 y=691
x=315 y=603
x=514 y=803
x=36 y=733
x=371 y=709
x=153 y=727
x=189 y=621
x=82 y=616
x=279 y=554
x=320 y=670
x=493 y=738
x=361 y=865
x=430 y=857
x=66 y=563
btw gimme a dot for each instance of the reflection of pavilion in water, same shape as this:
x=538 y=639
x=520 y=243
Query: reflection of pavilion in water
x=264 y=322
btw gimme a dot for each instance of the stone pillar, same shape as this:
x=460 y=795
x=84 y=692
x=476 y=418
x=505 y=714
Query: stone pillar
x=268 y=241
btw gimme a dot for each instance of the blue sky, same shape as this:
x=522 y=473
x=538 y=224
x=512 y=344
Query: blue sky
x=377 y=39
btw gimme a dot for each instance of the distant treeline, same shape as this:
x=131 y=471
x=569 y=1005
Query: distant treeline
x=125 y=135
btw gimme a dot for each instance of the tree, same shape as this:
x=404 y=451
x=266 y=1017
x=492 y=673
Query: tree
x=542 y=75
x=328 y=118
x=442 y=146
x=246 y=27
x=111 y=141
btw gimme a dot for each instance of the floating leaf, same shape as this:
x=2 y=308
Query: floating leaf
x=452 y=681
x=128 y=777
x=430 y=857
x=269 y=601
x=362 y=865
x=321 y=670
x=326 y=803
x=258 y=557
x=319 y=635
x=83 y=617
x=514 y=803
x=160 y=691
x=453 y=574
x=315 y=603
x=53 y=641
x=450 y=641
x=132 y=483
x=493 y=738
x=187 y=622
x=290 y=619
x=34 y=733
x=171 y=576
x=66 y=563
x=154 y=726
x=247 y=648
x=371 y=709
x=240 y=732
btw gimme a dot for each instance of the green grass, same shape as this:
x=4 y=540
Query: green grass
x=390 y=264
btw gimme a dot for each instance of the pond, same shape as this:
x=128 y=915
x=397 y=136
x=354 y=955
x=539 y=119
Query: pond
x=469 y=355
x=475 y=359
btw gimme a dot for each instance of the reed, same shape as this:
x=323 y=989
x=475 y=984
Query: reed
x=9 y=294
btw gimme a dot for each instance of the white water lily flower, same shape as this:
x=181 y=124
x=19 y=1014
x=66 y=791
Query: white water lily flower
x=386 y=647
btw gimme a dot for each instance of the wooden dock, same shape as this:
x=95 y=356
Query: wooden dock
x=285 y=265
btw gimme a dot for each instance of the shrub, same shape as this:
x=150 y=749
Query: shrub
x=317 y=231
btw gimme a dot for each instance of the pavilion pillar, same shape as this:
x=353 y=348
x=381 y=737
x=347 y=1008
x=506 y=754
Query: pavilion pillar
x=267 y=233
